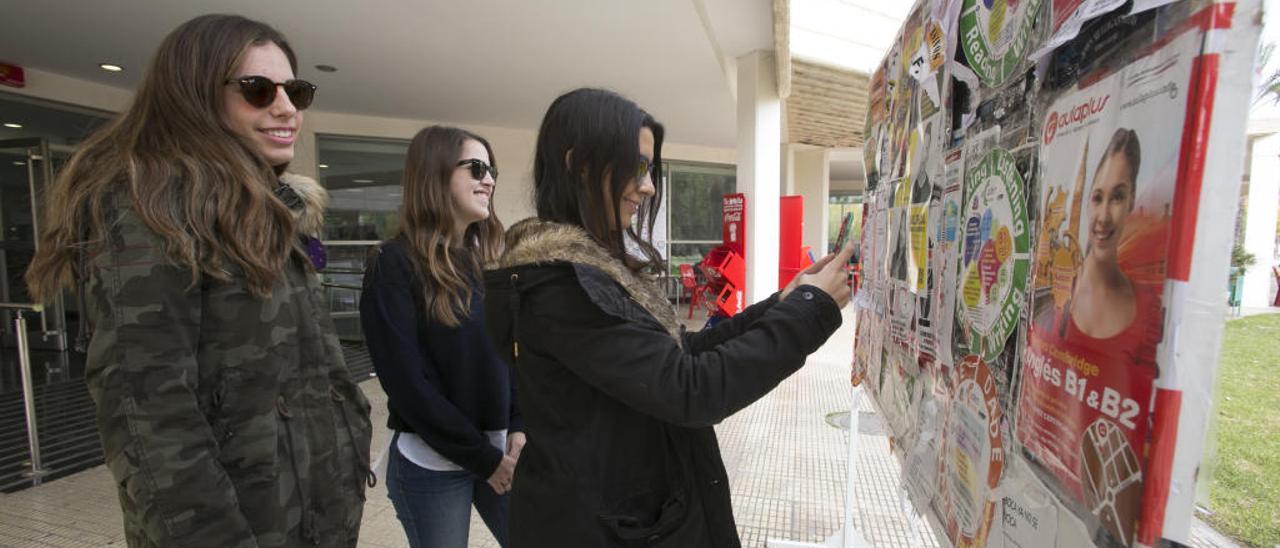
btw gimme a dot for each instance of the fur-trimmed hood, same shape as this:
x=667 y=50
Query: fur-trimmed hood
x=314 y=199
x=535 y=241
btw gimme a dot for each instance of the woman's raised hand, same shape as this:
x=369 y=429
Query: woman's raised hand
x=828 y=274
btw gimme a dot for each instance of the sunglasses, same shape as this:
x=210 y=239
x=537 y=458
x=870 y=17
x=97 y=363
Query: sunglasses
x=479 y=168
x=644 y=168
x=260 y=91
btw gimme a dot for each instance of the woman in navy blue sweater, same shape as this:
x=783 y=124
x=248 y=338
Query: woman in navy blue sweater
x=452 y=407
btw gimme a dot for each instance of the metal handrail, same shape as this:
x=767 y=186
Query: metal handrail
x=28 y=393
x=334 y=270
x=341 y=286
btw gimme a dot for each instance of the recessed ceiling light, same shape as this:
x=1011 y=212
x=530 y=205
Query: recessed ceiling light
x=18 y=163
x=355 y=190
x=12 y=125
x=324 y=166
x=110 y=67
x=363 y=181
x=326 y=68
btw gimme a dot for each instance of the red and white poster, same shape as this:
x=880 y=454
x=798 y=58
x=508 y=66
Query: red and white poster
x=972 y=455
x=734 y=225
x=1110 y=155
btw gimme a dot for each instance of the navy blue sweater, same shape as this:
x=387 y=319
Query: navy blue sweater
x=445 y=384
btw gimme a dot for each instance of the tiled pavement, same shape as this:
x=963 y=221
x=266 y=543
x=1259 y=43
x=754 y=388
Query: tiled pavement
x=786 y=469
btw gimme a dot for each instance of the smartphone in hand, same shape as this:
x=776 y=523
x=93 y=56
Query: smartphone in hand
x=845 y=228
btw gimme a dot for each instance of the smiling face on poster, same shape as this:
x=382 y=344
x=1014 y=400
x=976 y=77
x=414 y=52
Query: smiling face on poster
x=1110 y=154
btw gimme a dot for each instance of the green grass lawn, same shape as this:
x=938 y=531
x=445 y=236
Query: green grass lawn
x=1245 y=490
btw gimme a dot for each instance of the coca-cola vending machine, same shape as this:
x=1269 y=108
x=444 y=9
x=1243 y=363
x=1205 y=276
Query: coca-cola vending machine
x=725 y=267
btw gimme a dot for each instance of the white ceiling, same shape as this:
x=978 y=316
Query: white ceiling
x=482 y=62
x=849 y=34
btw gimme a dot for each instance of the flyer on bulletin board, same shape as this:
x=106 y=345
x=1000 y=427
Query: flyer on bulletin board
x=972 y=454
x=994 y=253
x=1110 y=154
x=994 y=35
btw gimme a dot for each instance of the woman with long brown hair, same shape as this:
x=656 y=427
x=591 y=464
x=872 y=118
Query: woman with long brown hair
x=619 y=399
x=1104 y=301
x=457 y=432
x=226 y=412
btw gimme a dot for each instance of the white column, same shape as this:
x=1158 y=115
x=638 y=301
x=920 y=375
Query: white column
x=759 y=167
x=1260 y=219
x=304 y=154
x=813 y=181
x=789 y=151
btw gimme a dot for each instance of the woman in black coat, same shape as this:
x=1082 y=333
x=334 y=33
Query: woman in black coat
x=618 y=400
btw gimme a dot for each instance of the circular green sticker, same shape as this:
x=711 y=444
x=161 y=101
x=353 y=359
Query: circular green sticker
x=989 y=311
x=994 y=35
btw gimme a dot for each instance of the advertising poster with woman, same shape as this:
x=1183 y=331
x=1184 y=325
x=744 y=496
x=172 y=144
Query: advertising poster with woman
x=1110 y=156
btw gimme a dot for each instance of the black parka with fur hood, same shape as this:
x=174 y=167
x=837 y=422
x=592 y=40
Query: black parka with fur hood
x=619 y=401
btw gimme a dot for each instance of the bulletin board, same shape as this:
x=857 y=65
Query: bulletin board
x=1043 y=271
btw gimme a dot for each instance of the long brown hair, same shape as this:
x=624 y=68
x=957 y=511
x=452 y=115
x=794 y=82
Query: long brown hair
x=448 y=263
x=585 y=157
x=198 y=186
x=1124 y=142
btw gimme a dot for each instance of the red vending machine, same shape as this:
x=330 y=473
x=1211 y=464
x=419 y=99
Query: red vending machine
x=724 y=266
x=793 y=255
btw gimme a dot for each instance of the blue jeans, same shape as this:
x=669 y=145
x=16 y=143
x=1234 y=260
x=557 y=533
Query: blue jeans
x=435 y=507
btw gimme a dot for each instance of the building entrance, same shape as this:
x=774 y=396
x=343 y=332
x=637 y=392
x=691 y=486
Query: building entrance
x=36 y=139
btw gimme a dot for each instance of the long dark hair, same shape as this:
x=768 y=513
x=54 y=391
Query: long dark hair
x=585 y=135
x=198 y=186
x=448 y=263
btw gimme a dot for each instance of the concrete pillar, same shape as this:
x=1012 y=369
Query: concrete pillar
x=1260 y=219
x=759 y=168
x=789 y=168
x=305 y=150
x=813 y=181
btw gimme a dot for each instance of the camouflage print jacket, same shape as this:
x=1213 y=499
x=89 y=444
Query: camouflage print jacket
x=226 y=420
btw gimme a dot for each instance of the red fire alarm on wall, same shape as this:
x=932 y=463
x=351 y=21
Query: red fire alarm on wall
x=12 y=75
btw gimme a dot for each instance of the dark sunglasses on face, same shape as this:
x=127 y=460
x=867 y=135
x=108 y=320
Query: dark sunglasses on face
x=644 y=168
x=260 y=91
x=479 y=168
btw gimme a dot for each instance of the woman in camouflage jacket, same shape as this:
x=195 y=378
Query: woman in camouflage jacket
x=227 y=414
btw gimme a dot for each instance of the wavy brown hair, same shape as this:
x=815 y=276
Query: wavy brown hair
x=447 y=262
x=198 y=186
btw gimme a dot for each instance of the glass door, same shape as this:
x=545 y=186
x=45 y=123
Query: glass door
x=25 y=171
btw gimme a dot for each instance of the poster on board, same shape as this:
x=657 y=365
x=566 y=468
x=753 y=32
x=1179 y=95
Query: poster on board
x=994 y=259
x=1016 y=329
x=995 y=34
x=948 y=235
x=1110 y=153
x=972 y=454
